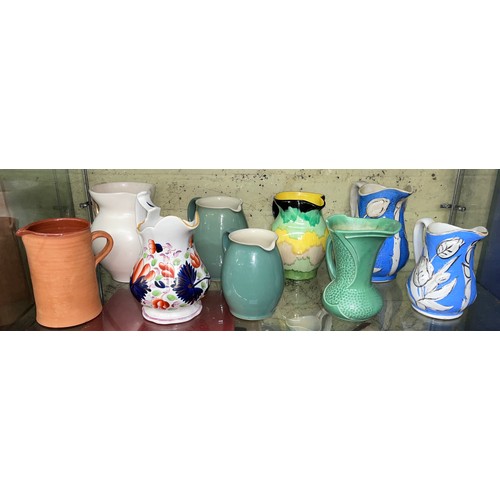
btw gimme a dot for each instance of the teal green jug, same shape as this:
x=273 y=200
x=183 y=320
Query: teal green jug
x=253 y=278
x=356 y=243
x=218 y=215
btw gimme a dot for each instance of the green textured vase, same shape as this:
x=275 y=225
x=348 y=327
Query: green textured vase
x=356 y=243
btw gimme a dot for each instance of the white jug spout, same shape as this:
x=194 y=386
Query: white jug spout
x=481 y=231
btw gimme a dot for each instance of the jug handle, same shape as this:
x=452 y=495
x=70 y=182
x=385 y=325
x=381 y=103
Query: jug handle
x=107 y=248
x=354 y=198
x=275 y=209
x=418 y=236
x=191 y=209
x=225 y=241
x=330 y=261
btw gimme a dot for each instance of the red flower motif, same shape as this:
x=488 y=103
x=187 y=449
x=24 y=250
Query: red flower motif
x=195 y=260
x=139 y=280
x=167 y=270
x=160 y=304
x=142 y=270
x=151 y=246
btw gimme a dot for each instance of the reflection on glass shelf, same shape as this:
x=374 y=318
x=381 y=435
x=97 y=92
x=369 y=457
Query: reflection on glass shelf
x=300 y=310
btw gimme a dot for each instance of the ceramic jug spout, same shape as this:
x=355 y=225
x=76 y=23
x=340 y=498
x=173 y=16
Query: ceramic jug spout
x=214 y=202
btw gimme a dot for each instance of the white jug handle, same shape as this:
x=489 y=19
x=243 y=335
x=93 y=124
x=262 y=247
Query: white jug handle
x=145 y=209
x=354 y=198
x=418 y=236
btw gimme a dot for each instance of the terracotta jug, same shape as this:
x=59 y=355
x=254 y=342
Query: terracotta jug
x=63 y=270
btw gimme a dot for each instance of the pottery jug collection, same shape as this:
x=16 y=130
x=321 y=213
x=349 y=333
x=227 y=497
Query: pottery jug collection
x=169 y=263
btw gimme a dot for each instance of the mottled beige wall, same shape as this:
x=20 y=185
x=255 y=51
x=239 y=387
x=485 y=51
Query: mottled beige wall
x=174 y=189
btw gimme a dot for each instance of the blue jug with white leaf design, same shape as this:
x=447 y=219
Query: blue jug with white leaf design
x=443 y=283
x=374 y=201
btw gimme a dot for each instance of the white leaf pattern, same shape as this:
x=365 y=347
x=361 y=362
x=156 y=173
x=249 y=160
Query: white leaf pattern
x=377 y=207
x=423 y=272
x=442 y=292
x=443 y=278
x=467 y=294
x=430 y=304
x=449 y=247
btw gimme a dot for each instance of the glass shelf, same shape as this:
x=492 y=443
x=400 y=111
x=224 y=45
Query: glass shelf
x=299 y=309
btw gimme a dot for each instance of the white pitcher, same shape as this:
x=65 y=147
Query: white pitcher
x=116 y=214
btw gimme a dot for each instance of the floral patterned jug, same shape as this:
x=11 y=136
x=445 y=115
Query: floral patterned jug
x=169 y=279
x=443 y=283
x=375 y=202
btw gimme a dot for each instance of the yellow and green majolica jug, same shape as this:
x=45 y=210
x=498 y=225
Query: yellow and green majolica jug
x=302 y=232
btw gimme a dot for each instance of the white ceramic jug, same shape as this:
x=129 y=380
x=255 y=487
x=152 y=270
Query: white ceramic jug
x=116 y=214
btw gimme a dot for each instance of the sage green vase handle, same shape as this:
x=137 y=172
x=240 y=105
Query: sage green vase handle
x=330 y=260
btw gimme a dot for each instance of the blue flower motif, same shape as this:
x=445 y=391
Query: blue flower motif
x=139 y=288
x=139 y=280
x=185 y=284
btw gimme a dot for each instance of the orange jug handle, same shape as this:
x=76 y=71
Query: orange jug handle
x=107 y=248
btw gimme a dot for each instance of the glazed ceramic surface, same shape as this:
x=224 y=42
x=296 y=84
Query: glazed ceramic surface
x=252 y=273
x=301 y=231
x=443 y=283
x=62 y=267
x=356 y=242
x=218 y=215
x=116 y=214
x=375 y=201
x=169 y=279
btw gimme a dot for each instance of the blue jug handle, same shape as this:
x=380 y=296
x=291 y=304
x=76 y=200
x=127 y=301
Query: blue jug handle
x=330 y=260
x=191 y=209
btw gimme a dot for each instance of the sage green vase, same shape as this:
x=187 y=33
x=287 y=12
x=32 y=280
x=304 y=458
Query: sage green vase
x=356 y=243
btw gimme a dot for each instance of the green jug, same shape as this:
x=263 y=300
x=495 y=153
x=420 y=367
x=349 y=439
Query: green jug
x=356 y=243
